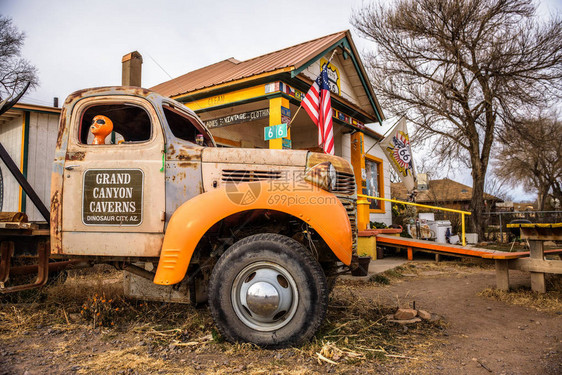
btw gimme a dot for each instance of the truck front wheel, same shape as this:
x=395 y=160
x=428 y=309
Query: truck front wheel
x=268 y=289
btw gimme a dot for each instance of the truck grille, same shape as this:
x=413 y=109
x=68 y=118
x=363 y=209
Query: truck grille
x=232 y=175
x=345 y=183
x=351 y=208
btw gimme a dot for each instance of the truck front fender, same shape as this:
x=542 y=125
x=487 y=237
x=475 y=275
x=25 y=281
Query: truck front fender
x=321 y=210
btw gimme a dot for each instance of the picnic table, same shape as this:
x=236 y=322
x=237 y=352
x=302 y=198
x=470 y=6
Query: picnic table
x=536 y=263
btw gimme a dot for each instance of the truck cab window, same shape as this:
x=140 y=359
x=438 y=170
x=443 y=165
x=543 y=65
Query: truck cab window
x=183 y=127
x=130 y=124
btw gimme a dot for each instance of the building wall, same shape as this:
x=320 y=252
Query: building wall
x=247 y=135
x=43 y=129
x=347 y=92
x=373 y=149
x=11 y=138
x=385 y=217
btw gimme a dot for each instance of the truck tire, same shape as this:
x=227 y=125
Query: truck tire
x=267 y=289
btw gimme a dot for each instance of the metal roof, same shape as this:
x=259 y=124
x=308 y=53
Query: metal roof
x=231 y=69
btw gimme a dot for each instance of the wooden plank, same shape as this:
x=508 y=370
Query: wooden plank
x=536 y=265
x=502 y=274
x=429 y=245
x=537 y=278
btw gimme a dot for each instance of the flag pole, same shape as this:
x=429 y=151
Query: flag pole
x=384 y=135
x=300 y=106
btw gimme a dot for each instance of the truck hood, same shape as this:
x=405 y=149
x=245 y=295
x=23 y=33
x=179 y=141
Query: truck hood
x=292 y=158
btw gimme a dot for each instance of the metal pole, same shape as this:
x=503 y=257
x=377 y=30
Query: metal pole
x=501 y=229
x=463 y=235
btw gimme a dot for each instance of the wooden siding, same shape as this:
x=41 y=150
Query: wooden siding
x=43 y=130
x=347 y=85
x=11 y=138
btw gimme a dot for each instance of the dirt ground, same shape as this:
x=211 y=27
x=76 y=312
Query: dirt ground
x=475 y=330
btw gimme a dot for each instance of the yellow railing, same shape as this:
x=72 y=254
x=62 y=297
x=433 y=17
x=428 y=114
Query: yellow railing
x=463 y=213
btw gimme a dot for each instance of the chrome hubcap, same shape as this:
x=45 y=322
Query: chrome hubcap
x=262 y=299
x=264 y=296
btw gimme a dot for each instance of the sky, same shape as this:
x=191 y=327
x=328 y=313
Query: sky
x=79 y=44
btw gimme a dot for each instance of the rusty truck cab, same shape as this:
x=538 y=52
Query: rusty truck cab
x=114 y=199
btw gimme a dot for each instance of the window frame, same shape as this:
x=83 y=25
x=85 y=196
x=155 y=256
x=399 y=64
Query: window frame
x=380 y=180
x=90 y=102
x=200 y=127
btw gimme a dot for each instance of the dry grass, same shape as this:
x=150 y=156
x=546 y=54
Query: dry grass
x=135 y=357
x=551 y=301
x=355 y=332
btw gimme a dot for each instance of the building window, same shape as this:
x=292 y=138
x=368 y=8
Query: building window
x=374 y=182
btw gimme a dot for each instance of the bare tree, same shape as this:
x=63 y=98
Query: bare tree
x=497 y=187
x=16 y=73
x=460 y=69
x=532 y=156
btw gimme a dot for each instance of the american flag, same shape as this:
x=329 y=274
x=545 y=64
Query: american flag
x=318 y=105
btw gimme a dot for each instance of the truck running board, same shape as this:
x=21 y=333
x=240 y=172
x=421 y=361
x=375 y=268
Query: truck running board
x=6 y=253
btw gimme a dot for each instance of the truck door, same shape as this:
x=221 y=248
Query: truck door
x=113 y=200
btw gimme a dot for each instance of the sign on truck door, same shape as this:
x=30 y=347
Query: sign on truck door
x=113 y=189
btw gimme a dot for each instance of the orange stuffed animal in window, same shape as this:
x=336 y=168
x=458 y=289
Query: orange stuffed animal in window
x=101 y=127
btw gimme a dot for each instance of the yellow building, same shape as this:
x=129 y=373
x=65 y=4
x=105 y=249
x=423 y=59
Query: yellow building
x=237 y=100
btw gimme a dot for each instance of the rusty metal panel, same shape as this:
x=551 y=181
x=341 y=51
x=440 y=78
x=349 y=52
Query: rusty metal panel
x=255 y=156
x=80 y=236
x=113 y=244
x=216 y=175
x=183 y=182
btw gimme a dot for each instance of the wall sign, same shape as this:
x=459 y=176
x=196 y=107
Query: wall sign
x=275 y=131
x=333 y=76
x=112 y=197
x=237 y=118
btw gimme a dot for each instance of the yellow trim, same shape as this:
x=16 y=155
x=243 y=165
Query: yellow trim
x=21 y=159
x=463 y=213
x=232 y=83
x=227 y=98
x=535 y=225
x=380 y=172
x=275 y=118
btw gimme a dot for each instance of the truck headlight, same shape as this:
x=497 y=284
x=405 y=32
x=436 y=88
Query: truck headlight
x=322 y=175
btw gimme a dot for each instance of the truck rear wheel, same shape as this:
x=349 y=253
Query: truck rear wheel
x=268 y=289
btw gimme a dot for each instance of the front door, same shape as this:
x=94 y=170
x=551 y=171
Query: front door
x=113 y=189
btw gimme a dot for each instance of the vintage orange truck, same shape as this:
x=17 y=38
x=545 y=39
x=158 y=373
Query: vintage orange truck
x=261 y=234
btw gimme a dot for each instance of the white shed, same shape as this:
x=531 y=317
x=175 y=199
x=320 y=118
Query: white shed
x=29 y=134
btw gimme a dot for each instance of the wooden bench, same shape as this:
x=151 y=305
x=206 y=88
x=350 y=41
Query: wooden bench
x=531 y=261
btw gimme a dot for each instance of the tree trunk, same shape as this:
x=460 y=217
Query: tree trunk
x=477 y=203
x=541 y=197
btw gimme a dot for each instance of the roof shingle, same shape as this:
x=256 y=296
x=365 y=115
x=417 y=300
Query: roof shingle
x=231 y=69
